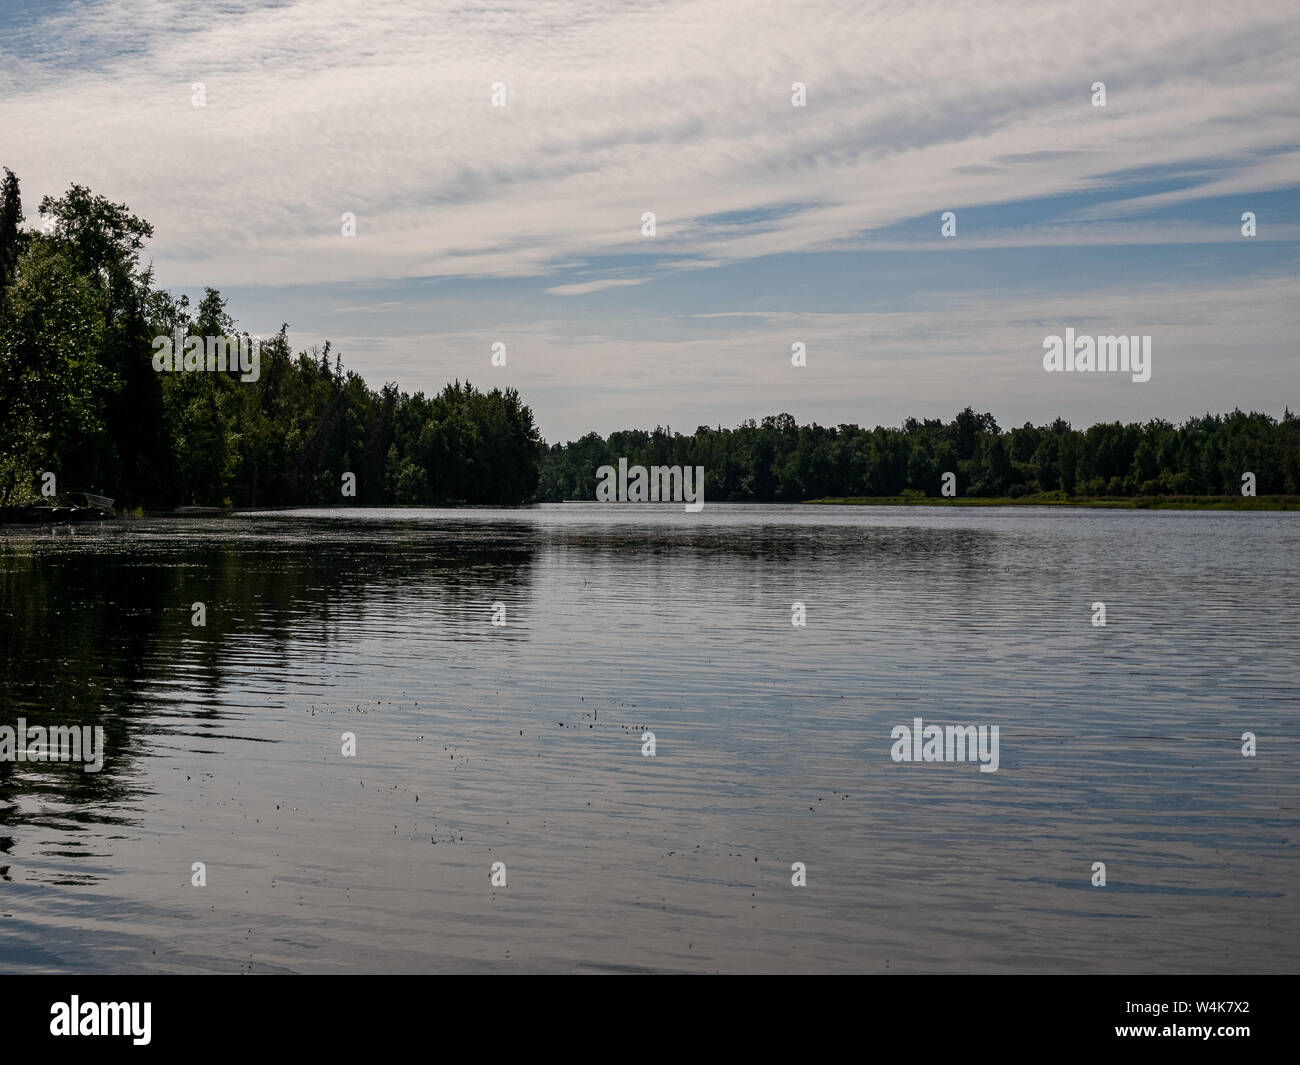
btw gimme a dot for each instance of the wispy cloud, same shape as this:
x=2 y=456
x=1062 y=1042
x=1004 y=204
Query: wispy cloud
x=681 y=108
x=584 y=287
x=469 y=217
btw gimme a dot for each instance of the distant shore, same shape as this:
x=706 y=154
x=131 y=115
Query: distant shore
x=1112 y=502
x=38 y=515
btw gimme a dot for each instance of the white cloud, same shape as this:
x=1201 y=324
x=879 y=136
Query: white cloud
x=1214 y=346
x=582 y=288
x=680 y=107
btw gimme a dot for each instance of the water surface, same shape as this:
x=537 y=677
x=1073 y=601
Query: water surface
x=522 y=743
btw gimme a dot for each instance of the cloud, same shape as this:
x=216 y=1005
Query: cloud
x=1214 y=346
x=672 y=107
x=386 y=307
x=469 y=216
x=582 y=288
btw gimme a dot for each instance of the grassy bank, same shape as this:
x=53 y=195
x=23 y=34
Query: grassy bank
x=1056 y=499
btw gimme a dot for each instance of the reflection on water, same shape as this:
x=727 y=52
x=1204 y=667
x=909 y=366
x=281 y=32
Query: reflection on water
x=521 y=743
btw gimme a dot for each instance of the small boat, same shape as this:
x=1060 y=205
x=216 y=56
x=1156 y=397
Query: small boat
x=199 y=510
x=93 y=500
x=69 y=507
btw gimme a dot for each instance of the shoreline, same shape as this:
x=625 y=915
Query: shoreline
x=29 y=516
x=1267 y=503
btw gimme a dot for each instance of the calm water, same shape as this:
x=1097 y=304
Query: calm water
x=522 y=743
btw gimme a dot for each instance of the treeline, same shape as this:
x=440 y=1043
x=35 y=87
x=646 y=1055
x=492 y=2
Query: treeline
x=777 y=460
x=80 y=395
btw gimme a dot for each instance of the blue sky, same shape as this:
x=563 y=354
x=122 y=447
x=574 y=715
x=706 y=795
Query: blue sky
x=774 y=224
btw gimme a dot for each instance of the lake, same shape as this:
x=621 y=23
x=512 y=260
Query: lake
x=522 y=742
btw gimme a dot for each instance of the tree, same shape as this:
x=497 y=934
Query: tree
x=52 y=400
x=11 y=213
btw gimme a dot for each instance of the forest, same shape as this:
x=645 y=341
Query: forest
x=778 y=460
x=80 y=396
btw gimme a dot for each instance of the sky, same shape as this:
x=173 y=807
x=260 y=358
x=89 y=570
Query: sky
x=775 y=224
